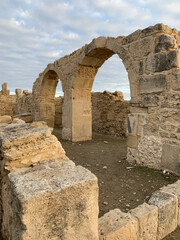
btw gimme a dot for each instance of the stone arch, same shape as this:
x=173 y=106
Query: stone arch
x=152 y=59
x=91 y=59
x=44 y=90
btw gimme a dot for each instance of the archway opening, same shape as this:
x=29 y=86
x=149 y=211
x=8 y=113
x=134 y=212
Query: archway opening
x=81 y=92
x=110 y=98
x=59 y=96
x=49 y=103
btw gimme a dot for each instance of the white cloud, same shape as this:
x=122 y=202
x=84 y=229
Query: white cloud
x=34 y=33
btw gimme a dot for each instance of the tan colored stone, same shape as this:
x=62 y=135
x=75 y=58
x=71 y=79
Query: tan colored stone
x=132 y=141
x=52 y=201
x=147 y=216
x=118 y=225
x=167 y=212
x=18 y=121
x=5 y=119
x=28 y=144
x=175 y=190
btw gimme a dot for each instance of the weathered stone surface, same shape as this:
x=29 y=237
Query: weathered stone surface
x=151 y=101
x=5 y=119
x=150 y=151
x=26 y=144
x=165 y=61
x=53 y=201
x=176 y=79
x=141 y=48
x=18 y=121
x=175 y=190
x=136 y=122
x=164 y=42
x=167 y=212
x=133 y=156
x=171 y=157
x=118 y=225
x=151 y=84
x=109 y=113
x=147 y=216
x=132 y=141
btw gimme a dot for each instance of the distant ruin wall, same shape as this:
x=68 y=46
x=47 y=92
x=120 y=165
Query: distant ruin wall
x=109 y=113
x=109 y=110
x=5 y=101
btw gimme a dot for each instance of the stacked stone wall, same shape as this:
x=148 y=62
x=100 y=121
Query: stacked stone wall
x=154 y=122
x=109 y=113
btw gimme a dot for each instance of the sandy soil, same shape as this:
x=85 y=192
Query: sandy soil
x=121 y=185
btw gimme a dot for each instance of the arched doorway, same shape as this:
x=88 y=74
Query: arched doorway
x=110 y=98
x=96 y=54
x=47 y=97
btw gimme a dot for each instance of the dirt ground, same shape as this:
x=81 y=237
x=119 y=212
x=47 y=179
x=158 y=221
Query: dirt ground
x=121 y=185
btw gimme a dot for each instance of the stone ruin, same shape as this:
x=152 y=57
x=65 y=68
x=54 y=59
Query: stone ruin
x=53 y=198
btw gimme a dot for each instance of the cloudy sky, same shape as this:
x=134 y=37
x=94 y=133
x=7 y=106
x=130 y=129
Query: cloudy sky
x=34 y=33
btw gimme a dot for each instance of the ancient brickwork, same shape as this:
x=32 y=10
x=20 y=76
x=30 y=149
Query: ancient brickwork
x=109 y=113
x=5 y=101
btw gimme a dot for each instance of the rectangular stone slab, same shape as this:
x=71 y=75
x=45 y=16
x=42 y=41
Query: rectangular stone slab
x=116 y=225
x=147 y=216
x=175 y=190
x=54 y=201
x=152 y=84
x=167 y=212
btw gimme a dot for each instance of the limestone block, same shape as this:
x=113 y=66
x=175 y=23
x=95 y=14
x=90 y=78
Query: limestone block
x=164 y=42
x=136 y=122
x=171 y=157
x=175 y=190
x=166 y=60
x=132 y=156
x=5 y=119
x=18 y=121
x=131 y=37
x=167 y=212
x=147 y=216
x=151 y=101
x=25 y=144
x=132 y=141
x=153 y=83
x=118 y=225
x=176 y=79
x=113 y=45
x=162 y=61
x=158 y=28
x=141 y=48
x=54 y=201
